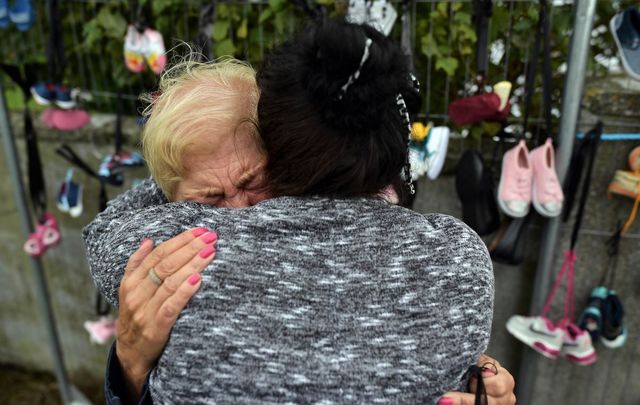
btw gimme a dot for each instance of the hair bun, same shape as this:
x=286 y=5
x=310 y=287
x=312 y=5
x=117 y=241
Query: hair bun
x=336 y=53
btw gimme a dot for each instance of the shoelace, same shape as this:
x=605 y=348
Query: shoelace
x=481 y=391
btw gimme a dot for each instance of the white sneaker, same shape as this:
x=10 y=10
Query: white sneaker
x=437 y=144
x=537 y=332
x=576 y=345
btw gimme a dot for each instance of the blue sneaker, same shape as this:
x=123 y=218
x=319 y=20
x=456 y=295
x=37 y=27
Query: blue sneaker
x=43 y=93
x=110 y=171
x=4 y=14
x=625 y=28
x=591 y=318
x=614 y=330
x=62 y=97
x=22 y=14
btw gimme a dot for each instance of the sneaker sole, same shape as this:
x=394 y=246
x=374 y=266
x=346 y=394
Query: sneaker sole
x=625 y=63
x=537 y=345
x=615 y=343
x=584 y=360
x=502 y=204
x=539 y=207
x=39 y=99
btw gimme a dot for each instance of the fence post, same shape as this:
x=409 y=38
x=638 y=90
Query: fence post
x=42 y=292
x=571 y=99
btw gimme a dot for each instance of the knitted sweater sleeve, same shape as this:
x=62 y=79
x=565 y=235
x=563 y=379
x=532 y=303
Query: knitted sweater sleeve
x=117 y=232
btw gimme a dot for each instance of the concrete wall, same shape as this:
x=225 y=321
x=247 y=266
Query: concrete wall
x=23 y=338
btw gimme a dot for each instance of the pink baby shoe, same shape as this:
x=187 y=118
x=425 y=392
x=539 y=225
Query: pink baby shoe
x=514 y=191
x=547 y=192
x=70 y=120
x=101 y=331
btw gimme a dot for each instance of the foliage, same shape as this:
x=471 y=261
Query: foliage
x=444 y=40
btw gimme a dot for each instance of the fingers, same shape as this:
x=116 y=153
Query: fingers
x=172 y=285
x=138 y=256
x=173 y=305
x=485 y=360
x=162 y=258
x=457 y=398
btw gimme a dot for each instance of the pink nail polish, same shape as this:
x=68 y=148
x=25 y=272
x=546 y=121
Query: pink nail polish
x=207 y=251
x=445 y=401
x=144 y=241
x=210 y=237
x=194 y=279
x=199 y=231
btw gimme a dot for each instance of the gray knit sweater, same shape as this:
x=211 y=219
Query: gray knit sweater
x=310 y=300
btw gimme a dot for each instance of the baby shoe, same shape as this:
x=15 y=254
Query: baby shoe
x=62 y=97
x=514 y=190
x=70 y=120
x=155 y=51
x=576 y=344
x=625 y=183
x=614 y=329
x=437 y=145
x=22 y=14
x=547 y=192
x=537 y=332
x=4 y=14
x=101 y=331
x=591 y=318
x=43 y=93
x=51 y=235
x=134 y=50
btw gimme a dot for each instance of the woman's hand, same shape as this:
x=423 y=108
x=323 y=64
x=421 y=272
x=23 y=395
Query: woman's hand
x=499 y=386
x=148 y=308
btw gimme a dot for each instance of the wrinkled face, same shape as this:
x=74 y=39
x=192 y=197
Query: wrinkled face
x=227 y=175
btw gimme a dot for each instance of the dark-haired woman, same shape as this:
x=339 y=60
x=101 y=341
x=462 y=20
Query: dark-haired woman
x=324 y=293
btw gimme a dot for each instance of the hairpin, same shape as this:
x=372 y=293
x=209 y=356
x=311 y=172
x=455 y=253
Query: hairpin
x=356 y=74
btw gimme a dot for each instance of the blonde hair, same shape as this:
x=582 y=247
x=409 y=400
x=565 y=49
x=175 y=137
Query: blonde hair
x=195 y=100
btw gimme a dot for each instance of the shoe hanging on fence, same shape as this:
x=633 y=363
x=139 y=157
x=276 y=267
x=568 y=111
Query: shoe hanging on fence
x=591 y=318
x=22 y=14
x=154 y=52
x=625 y=28
x=135 y=48
x=46 y=235
x=547 y=196
x=514 y=190
x=70 y=196
x=4 y=14
x=614 y=329
x=475 y=188
x=537 y=332
x=48 y=93
x=577 y=347
x=101 y=331
x=492 y=106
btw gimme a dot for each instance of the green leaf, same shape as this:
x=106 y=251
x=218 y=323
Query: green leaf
x=442 y=9
x=280 y=22
x=462 y=18
x=429 y=46
x=277 y=5
x=220 y=30
x=448 y=65
x=242 y=30
x=522 y=24
x=265 y=15
x=113 y=24
x=225 y=47
x=161 y=5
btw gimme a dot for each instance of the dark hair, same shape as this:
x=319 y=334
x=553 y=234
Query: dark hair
x=319 y=140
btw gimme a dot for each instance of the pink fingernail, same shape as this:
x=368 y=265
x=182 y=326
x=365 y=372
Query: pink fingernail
x=144 y=241
x=445 y=401
x=207 y=251
x=199 y=231
x=194 y=279
x=210 y=237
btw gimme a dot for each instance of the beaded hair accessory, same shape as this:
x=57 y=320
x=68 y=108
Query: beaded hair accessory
x=404 y=113
x=353 y=77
